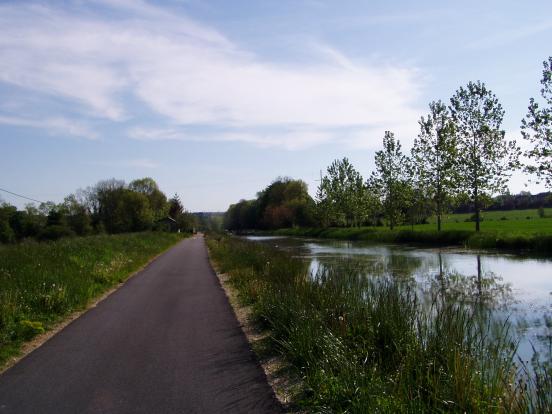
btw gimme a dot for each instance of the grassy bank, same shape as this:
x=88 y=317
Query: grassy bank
x=508 y=238
x=43 y=282
x=371 y=345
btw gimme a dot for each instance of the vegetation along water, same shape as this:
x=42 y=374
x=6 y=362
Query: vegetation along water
x=395 y=329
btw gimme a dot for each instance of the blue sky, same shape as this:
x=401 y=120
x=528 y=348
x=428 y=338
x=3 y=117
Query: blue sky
x=214 y=99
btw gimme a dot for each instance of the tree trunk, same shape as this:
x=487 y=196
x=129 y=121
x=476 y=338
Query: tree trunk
x=439 y=214
x=476 y=207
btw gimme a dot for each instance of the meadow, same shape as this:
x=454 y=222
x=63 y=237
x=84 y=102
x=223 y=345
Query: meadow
x=509 y=230
x=363 y=344
x=41 y=283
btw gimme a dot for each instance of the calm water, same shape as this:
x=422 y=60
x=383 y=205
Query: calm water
x=514 y=287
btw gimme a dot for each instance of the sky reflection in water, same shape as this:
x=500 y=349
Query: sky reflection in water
x=515 y=287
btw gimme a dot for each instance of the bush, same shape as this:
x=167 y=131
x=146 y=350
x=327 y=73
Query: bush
x=6 y=233
x=29 y=329
x=55 y=232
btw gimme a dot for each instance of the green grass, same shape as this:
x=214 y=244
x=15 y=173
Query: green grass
x=515 y=232
x=371 y=345
x=43 y=282
x=489 y=216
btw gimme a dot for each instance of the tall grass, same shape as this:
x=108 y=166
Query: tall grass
x=367 y=345
x=42 y=282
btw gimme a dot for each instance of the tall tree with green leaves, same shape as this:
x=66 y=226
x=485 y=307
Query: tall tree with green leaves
x=391 y=178
x=486 y=158
x=341 y=193
x=434 y=158
x=536 y=128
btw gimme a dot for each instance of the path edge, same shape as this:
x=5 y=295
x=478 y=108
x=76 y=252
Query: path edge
x=283 y=387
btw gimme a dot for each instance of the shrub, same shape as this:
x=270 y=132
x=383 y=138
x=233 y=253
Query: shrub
x=55 y=232
x=29 y=329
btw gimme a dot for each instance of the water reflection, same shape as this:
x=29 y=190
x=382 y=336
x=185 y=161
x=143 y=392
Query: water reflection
x=513 y=288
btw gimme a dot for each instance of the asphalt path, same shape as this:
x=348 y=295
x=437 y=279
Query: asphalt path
x=167 y=341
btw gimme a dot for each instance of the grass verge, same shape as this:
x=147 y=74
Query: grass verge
x=372 y=345
x=44 y=283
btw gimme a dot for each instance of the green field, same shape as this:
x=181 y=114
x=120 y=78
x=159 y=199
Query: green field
x=367 y=345
x=43 y=282
x=521 y=221
x=512 y=230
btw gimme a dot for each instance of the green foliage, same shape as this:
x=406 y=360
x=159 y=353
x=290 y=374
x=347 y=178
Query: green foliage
x=156 y=198
x=242 y=215
x=43 y=282
x=27 y=329
x=109 y=206
x=55 y=232
x=284 y=203
x=363 y=344
x=486 y=157
x=390 y=179
x=536 y=128
x=122 y=210
x=435 y=158
x=342 y=196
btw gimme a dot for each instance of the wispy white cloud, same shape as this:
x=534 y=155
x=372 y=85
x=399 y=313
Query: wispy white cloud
x=291 y=139
x=57 y=126
x=192 y=75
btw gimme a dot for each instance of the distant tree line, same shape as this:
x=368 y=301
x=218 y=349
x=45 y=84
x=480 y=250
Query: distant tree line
x=459 y=161
x=110 y=206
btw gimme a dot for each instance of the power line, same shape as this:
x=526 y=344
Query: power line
x=21 y=196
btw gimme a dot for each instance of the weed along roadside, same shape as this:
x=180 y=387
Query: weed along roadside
x=45 y=285
x=373 y=345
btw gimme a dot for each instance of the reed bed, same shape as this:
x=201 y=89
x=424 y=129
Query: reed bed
x=371 y=344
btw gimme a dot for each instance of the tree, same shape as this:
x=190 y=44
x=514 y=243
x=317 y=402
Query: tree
x=122 y=210
x=342 y=194
x=7 y=211
x=156 y=198
x=77 y=215
x=184 y=220
x=284 y=203
x=434 y=157
x=536 y=128
x=390 y=179
x=242 y=215
x=486 y=158
x=175 y=206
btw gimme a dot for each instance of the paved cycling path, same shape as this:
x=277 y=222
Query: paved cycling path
x=166 y=342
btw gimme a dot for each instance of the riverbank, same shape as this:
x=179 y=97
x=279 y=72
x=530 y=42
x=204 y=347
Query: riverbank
x=514 y=241
x=370 y=345
x=46 y=285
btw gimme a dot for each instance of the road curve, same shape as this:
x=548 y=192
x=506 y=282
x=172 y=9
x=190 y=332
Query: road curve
x=165 y=342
